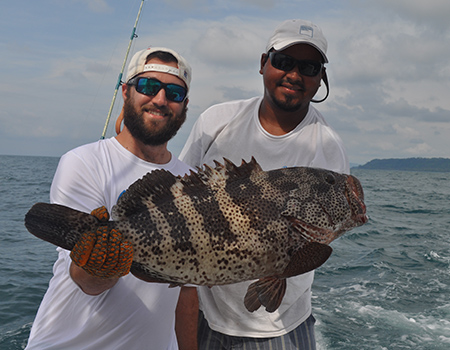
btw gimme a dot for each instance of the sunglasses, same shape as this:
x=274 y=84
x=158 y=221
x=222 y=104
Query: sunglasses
x=287 y=63
x=151 y=87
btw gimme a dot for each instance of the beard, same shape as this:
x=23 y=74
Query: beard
x=154 y=135
x=287 y=105
x=290 y=103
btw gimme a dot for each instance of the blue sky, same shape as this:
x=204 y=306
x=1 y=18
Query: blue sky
x=389 y=67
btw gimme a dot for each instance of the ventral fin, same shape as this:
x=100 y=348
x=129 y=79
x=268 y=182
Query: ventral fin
x=268 y=292
x=309 y=257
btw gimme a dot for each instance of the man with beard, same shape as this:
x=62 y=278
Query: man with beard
x=92 y=307
x=280 y=129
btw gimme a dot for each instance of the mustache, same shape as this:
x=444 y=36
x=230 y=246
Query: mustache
x=158 y=110
x=293 y=82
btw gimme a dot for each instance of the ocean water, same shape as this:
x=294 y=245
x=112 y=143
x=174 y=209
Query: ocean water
x=386 y=285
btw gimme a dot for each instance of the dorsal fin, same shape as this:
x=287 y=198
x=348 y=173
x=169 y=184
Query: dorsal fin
x=161 y=185
x=215 y=177
x=245 y=169
x=144 y=193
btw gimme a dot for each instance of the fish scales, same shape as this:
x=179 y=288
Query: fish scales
x=219 y=233
x=223 y=225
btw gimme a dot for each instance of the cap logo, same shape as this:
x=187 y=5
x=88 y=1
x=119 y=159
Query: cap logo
x=306 y=31
x=160 y=68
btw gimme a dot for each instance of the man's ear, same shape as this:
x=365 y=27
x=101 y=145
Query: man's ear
x=124 y=91
x=264 y=58
x=325 y=80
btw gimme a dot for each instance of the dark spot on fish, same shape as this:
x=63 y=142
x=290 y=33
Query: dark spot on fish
x=329 y=178
x=156 y=250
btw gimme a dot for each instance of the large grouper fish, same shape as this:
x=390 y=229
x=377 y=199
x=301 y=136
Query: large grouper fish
x=222 y=225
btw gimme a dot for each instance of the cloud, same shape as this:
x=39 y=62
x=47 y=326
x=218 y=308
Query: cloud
x=98 y=6
x=231 y=43
x=405 y=131
x=423 y=149
x=433 y=13
x=236 y=93
x=265 y=4
x=389 y=70
x=219 y=6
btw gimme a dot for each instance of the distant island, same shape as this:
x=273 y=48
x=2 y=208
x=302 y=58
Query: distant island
x=408 y=164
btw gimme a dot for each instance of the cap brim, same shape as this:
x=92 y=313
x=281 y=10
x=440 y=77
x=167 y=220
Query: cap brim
x=288 y=43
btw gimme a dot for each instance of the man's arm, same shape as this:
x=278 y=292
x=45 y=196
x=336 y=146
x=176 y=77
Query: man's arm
x=100 y=258
x=186 y=318
x=89 y=284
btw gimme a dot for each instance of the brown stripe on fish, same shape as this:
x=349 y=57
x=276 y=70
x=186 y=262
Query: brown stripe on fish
x=204 y=201
x=257 y=208
x=258 y=216
x=153 y=214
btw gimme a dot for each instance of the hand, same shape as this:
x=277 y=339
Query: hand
x=103 y=253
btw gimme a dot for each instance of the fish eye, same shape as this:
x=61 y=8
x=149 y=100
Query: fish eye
x=329 y=178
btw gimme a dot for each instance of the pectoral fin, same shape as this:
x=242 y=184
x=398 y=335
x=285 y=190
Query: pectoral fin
x=309 y=257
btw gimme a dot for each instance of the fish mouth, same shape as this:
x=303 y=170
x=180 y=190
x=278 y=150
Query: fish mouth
x=355 y=199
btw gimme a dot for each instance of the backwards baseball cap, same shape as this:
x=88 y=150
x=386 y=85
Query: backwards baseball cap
x=298 y=31
x=138 y=65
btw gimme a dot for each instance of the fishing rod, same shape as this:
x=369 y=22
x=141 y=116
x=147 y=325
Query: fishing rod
x=119 y=80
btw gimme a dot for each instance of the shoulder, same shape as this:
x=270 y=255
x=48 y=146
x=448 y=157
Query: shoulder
x=235 y=104
x=216 y=117
x=230 y=109
x=316 y=119
x=211 y=123
x=315 y=116
x=89 y=153
x=179 y=167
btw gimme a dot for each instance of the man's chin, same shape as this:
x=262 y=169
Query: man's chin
x=288 y=105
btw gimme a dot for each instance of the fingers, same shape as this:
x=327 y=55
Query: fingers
x=105 y=255
x=82 y=250
x=125 y=259
x=101 y=214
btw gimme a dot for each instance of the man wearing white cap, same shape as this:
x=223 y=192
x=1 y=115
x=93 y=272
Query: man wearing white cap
x=92 y=307
x=280 y=129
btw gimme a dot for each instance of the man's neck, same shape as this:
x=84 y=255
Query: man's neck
x=278 y=122
x=153 y=154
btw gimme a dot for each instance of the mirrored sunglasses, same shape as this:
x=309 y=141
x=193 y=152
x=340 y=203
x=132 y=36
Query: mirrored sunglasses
x=151 y=87
x=287 y=63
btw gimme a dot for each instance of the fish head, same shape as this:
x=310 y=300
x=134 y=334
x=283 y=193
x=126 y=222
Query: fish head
x=324 y=205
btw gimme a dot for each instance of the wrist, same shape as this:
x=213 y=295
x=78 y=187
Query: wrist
x=91 y=285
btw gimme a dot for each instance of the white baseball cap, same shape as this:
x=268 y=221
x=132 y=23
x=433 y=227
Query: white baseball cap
x=298 y=31
x=138 y=64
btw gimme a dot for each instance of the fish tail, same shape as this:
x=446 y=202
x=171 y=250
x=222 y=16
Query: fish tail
x=58 y=224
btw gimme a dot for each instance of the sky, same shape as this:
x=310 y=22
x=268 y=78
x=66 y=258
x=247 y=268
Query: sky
x=389 y=68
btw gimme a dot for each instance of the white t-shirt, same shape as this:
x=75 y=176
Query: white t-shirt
x=232 y=130
x=133 y=314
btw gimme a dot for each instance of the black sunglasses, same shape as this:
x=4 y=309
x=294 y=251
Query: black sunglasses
x=287 y=63
x=151 y=87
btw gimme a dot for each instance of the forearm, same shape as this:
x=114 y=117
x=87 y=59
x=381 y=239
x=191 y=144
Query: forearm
x=90 y=285
x=186 y=319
